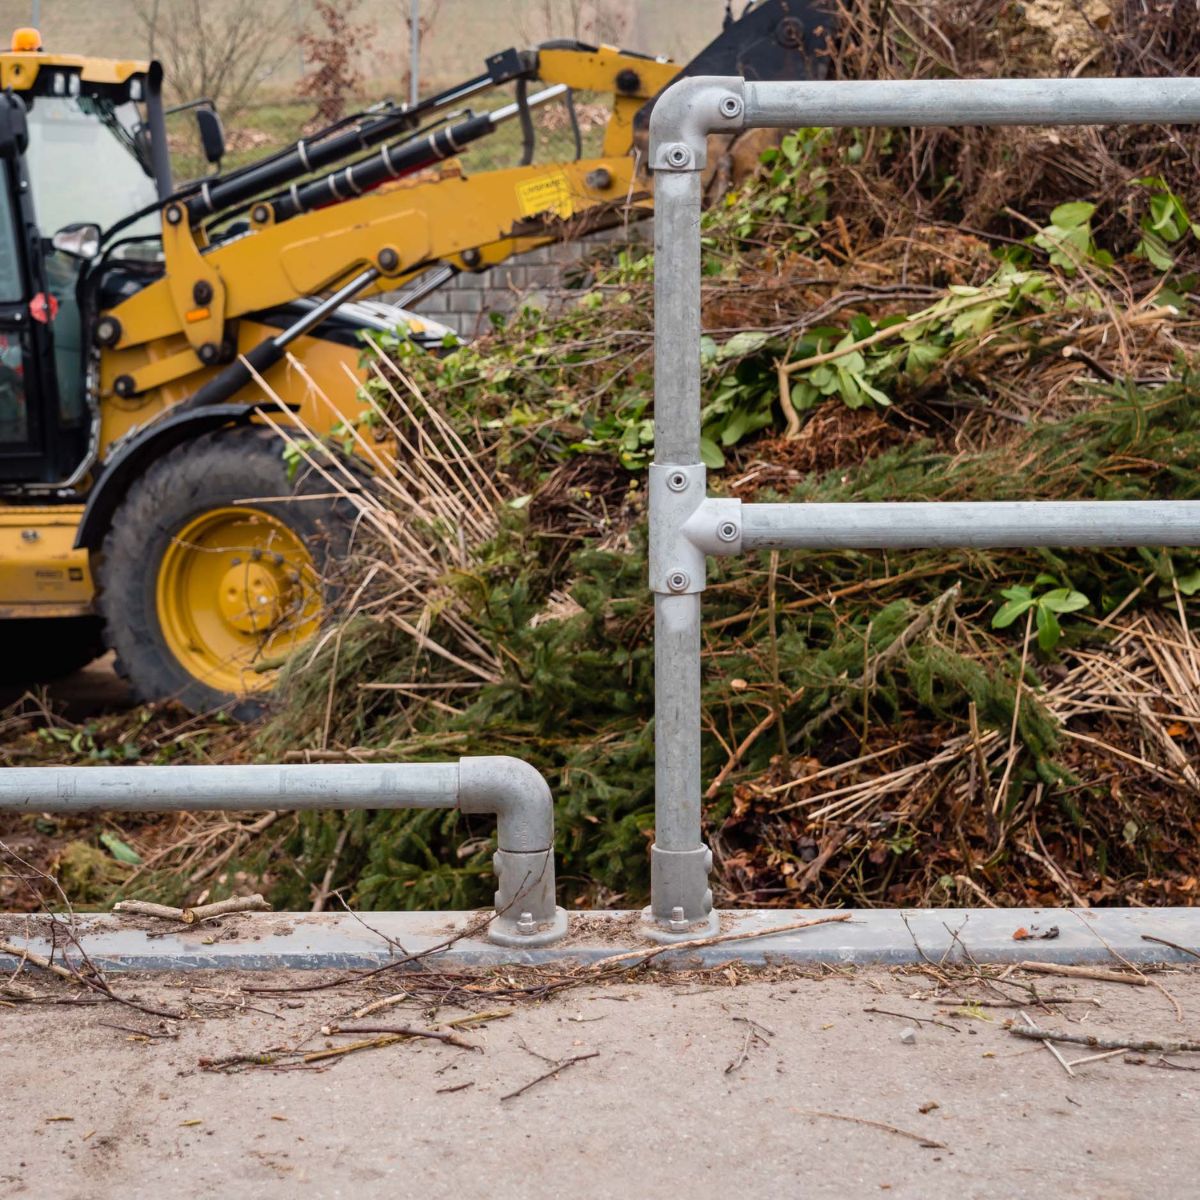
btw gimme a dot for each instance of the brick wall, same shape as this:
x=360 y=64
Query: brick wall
x=538 y=276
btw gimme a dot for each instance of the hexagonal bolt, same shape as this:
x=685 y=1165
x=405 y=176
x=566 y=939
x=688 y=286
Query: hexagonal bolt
x=526 y=924
x=678 y=156
x=727 y=531
x=677 y=581
x=678 y=921
x=677 y=481
x=730 y=107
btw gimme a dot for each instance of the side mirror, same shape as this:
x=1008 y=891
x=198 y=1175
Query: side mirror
x=79 y=241
x=212 y=135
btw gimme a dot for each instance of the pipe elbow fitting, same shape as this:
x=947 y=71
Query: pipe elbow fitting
x=518 y=795
x=687 y=112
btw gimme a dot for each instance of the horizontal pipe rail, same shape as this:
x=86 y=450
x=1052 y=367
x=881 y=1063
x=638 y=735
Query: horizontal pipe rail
x=224 y=789
x=513 y=791
x=925 y=102
x=984 y=524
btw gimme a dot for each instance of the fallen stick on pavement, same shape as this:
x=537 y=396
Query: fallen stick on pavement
x=1045 y=968
x=235 y=904
x=1144 y=1045
x=696 y=943
x=1146 y=937
x=921 y=1140
x=1049 y=1045
x=145 y=908
x=562 y=1066
x=407 y=1030
x=29 y=956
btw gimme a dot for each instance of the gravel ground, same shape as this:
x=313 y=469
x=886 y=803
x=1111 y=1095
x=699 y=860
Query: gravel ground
x=700 y=1085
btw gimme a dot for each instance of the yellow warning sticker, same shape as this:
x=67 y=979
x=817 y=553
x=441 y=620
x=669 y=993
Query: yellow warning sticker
x=547 y=193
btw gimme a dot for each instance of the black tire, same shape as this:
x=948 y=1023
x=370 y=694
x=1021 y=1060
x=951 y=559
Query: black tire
x=38 y=649
x=219 y=470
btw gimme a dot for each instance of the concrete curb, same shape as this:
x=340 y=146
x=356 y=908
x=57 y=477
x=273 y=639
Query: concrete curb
x=890 y=937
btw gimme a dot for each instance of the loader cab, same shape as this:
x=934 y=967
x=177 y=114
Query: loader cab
x=74 y=160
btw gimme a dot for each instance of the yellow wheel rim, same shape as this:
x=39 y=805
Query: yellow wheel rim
x=237 y=591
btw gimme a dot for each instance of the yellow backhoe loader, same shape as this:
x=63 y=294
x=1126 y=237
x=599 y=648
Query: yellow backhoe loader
x=145 y=503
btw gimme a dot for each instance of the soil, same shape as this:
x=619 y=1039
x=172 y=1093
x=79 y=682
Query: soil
x=95 y=689
x=700 y=1085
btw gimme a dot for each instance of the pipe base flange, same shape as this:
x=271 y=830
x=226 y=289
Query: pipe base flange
x=504 y=931
x=658 y=931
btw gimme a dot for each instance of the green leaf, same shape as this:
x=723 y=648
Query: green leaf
x=1063 y=600
x=1072 y=215
x=879 y=397
x=735 y=428
x=1009 y=612
x=742 y=344
x=1018 y=592
x=974 y=321
x=921 y=357
x=861 y=327
x=1153 y=249
x=1048 y=628
x=710 y=454
x=119 y=850
x=804 y=396
x=1189 y=585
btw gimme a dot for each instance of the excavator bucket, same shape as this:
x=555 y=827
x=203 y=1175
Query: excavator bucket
x=775 y=39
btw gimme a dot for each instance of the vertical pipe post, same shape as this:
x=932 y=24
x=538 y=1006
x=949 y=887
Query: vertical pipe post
x=680 y=898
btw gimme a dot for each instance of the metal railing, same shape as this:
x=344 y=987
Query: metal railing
x=686 y=524
x=512 y=790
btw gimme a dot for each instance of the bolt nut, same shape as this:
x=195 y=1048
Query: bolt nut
x=388 y=259
x=678 y=156
x=209 y=352
x=526 y=924
x=678 y=922
x=174 y=214
x=202 y=291
x=599 y=180
x=472 y=257
x=108 y=331
x=730 y=107
x=677 y=581
x=124 y=386
x=260 y=214
x=727 y=531
x=677 y=481
x=628 y=81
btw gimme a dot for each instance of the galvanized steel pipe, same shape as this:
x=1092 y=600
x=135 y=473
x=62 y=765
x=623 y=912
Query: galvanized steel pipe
x=682 y=118
x=952 y=525
x=927 y=102
x=506 y=787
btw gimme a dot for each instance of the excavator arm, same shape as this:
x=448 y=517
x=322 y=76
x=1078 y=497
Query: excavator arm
x=393 y=213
